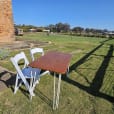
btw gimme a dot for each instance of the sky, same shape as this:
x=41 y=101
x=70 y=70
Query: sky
x=98 y=14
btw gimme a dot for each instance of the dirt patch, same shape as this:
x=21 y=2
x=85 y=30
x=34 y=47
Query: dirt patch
x=22 y=44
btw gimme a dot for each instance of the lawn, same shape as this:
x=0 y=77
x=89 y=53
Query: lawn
x=89 y=88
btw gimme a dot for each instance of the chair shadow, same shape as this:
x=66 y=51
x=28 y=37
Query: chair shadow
x=25 y=92
x=44 y=97
x=94 y=88
x=8 y=80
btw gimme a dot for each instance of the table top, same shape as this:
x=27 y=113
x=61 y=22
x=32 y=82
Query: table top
x=53 y=61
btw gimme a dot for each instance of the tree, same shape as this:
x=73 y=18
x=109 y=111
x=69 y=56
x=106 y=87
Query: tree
x=66 y=27
x=60 y=27
x=52 y=28
x=78 y=30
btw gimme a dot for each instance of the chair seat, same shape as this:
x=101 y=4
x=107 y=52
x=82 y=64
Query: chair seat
x=27 y=72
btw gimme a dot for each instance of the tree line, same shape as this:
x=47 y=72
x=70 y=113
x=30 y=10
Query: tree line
x=66 y=29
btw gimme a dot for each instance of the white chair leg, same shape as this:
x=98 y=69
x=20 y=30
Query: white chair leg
x=31 y=94
x=37 y=81
x=31 y=83
x=31 y=89
x=16 y=83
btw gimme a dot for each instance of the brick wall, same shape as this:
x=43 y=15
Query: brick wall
x=6 y=21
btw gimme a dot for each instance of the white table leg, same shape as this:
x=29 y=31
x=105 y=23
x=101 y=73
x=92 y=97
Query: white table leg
x=56 y=92
x=54 y=97
x=67 y=74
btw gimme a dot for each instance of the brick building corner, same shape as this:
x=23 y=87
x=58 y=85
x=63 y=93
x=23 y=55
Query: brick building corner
x=6 y=21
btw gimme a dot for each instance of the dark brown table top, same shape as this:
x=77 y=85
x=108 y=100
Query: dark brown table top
x=53 y=61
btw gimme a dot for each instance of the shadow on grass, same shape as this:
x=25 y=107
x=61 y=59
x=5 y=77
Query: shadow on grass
x=7 y=78
x=83 y=59
x=94 y=88
x=98 y=80
x=44 y=98
x=9 y=81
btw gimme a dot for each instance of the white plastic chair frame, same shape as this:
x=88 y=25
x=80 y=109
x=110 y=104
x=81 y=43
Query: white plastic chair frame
x=33 y=51
x=29 y=86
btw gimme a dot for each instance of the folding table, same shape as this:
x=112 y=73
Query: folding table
x=56 y=62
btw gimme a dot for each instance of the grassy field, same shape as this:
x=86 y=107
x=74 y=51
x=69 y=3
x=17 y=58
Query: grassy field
x=89 y=88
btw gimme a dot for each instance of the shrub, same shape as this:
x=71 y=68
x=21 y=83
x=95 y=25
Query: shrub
x=4 y=53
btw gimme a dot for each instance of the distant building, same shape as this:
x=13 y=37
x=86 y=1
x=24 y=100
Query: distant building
x=33 y=30
x=109 y=34
x=47 y=31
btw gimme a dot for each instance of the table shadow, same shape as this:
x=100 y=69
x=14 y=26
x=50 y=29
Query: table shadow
x=97 y=82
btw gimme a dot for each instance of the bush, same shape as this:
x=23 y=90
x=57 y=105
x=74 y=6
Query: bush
x=4 y=53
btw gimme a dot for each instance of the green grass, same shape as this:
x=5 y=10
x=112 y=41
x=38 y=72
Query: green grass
x=89 y=88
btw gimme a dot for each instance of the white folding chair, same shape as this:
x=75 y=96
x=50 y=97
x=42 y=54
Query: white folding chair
x=24 y=73
x=34 y=51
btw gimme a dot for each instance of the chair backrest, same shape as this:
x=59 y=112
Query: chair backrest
x=15 y=60
x=34 y=51
x=18 y=57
